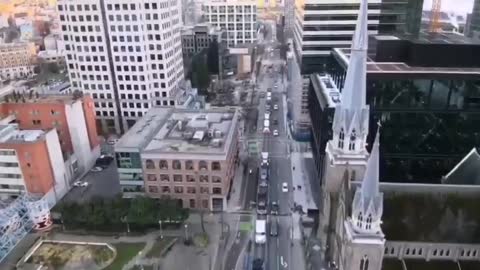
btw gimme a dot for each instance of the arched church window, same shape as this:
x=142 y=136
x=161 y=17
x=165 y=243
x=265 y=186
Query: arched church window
x=364 y=263
x=341 y=139
x=353 y=138
x=369 y=222
x=359 y=220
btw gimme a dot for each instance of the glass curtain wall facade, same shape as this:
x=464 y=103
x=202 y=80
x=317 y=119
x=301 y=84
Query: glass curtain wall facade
x=429 y=121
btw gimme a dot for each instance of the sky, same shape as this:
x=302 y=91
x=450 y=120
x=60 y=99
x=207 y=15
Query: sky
x=458 y=6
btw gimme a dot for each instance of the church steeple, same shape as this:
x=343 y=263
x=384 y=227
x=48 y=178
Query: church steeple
x=368 y=201
x=350 y=125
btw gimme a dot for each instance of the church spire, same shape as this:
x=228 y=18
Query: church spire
x=368 y=201
x=351 y=115
x=354 y=91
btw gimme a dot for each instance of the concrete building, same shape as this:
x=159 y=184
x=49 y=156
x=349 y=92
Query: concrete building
x=72 y=118
x=137 y=54
x=30 y=161
x=323 y=25
x=198 y=37
x=189 y=155
x=16 y=60
x=237 y=18
x=473 y=30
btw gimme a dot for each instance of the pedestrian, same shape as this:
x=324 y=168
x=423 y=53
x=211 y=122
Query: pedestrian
x=294 y=168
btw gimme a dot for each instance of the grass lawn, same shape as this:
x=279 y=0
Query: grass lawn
x=125 y=252
x=158 y=247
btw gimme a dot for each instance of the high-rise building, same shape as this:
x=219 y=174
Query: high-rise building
x=237 y=18
x=474 y=25
x=424 y=90
x=197 y=38
x=127 y=55
x=321 y=25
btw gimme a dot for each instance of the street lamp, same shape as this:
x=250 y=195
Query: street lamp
x=161 y=232
x=186 y=232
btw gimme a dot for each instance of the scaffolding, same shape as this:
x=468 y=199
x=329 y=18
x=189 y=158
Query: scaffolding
x=19 y=217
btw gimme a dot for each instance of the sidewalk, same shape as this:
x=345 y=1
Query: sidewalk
x=237 y=195
x=302 y=197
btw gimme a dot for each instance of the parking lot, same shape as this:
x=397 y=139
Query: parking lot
x=100 y=184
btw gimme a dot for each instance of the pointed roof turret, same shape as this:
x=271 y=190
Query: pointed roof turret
x=370 y=184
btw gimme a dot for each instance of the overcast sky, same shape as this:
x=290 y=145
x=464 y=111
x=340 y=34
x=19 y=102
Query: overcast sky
x=458 y=6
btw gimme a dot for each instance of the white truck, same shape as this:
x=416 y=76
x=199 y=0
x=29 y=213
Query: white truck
x=264 y=159
x=260 y=231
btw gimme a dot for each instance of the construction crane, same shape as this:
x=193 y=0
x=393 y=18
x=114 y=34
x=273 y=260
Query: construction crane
x=435 y=24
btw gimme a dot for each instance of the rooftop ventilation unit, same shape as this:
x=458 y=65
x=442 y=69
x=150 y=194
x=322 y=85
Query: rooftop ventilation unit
x=216 y=143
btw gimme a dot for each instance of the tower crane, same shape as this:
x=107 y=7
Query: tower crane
x=435 y=24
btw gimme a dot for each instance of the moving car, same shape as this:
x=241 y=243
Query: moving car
x=274 y=208
x=275 y=107
x=257 y=264
x=285 y=187
x=274 y=227
x=275 y=132
x=263 y=174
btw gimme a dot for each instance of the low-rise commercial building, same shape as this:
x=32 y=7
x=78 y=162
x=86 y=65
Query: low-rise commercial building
x=198 y=37
x=30 y=161
x=73 y=118
x=188 y=155
x=16 y=60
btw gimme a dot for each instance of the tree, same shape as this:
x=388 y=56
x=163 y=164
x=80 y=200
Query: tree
x=213 y=57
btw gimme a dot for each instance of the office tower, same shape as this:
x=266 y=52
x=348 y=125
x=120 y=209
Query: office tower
x=474 y=26
x=322 y=25
x=237 y=18
x=424 y=91
x=126 y=55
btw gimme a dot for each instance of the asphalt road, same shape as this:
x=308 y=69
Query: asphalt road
x=276 y=252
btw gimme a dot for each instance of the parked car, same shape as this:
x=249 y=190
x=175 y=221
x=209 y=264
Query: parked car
x=275 y=133
x=80 y=184
x=275 y=107
x=96 y=169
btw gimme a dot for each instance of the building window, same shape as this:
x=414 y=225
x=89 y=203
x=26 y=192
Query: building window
x=177 y=178
x=353 y=138
x=205 y=204
x=164 y=178
x=192 y=203
x=178 y=189
x=149 y=164
x=189 y=165
x=359 y=220
x=163 y=164
x=153 y=189
x=203 y=178
x=151 y=177
x=191 y=190
x=203 y=190
x=364 y=263
x=176 y=165
x=165 y=189
x=37 y=122
x=203 y=166
x=341 y=138
x=190 y=178
x=216 y=166
x=216 y=179
x=217 y=190
x=369 y=222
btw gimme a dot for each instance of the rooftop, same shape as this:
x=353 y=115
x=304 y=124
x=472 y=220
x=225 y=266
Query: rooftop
x=452 y=218
x=177 y=131
x=441 y=53
x=11 y=134
x=325 y=87
x=201 y=27
x=26 y=97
